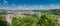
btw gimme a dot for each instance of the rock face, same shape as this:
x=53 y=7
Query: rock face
x=8 y=18
x=58 y=17
x=38 y=13
x=58 y=20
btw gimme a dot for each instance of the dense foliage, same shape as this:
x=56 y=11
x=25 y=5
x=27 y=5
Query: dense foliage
x=50 y=11
x=55 y=11
x=44 y=20
x=31 y=20
x=3 y=22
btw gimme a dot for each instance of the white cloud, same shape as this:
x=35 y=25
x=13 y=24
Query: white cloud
x=13 y=5
x=41 y=6
x=52 y=5
x=25 y=7
x=19 y=7
x=5 y=1
x=24 y=4
x=57 y=7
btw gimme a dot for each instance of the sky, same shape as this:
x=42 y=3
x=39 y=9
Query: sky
x=29 y=4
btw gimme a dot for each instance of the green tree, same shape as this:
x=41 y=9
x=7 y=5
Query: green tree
x=3 y=22
x=48 y=20
x=30 y=20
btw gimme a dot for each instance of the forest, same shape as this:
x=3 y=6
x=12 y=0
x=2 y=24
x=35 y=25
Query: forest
x=50 y=11
x=31 y=20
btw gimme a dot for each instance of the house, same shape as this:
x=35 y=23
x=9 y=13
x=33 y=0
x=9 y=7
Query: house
x=17 y=14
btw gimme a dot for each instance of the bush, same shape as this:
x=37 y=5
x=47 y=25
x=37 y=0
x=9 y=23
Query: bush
x=44 y=20
x=2 y=21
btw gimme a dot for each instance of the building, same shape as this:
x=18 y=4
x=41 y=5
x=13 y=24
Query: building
x=14 y=13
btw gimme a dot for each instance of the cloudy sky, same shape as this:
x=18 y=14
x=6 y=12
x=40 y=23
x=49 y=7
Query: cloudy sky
x=29 y=4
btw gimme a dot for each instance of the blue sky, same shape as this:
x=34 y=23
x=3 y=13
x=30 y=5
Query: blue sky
x=29 y=4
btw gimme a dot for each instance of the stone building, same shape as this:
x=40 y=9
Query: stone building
x=19 y=14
